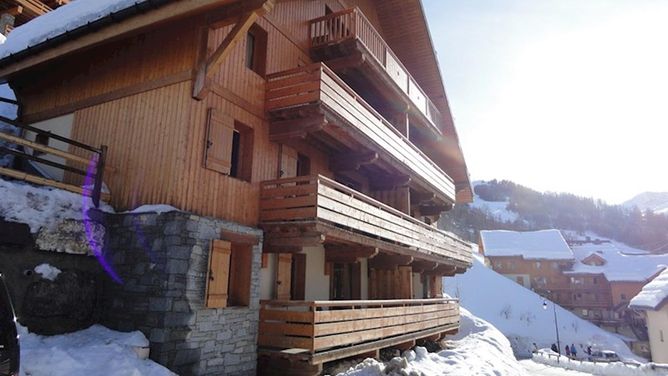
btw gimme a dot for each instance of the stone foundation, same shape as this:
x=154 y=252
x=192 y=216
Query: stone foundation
x=162 y=261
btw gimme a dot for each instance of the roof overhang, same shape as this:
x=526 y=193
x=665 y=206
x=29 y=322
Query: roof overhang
x=405 y=29
x=114 y=26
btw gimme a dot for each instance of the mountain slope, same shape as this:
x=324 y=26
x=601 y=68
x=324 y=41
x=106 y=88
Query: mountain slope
x=654 y=201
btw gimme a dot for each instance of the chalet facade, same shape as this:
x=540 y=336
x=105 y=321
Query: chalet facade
x=308 y=146
x=592 y=278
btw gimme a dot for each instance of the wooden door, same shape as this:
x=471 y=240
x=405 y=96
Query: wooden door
x=298 y=278
x=283 y=276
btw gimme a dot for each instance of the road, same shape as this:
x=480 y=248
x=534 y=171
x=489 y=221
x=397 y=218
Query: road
x=538 y=369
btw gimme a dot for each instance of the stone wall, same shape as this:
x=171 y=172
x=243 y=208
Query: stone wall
x=161 y=261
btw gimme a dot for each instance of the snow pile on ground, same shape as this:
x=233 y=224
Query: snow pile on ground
x=603 y=369
x=47 y=271
x=158 y=209
x=653 y=294
x=543 y=244
x=478 y=349
x=59 y=21
x=518 y=313
x=41 y=206
x=90 y=352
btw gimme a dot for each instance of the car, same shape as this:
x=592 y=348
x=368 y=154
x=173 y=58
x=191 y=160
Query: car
x=9 y=339
x=604 y=356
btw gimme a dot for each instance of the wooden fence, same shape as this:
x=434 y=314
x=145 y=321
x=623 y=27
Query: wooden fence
x=96 y=163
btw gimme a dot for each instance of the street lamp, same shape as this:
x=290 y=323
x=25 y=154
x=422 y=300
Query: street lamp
x=556 y=324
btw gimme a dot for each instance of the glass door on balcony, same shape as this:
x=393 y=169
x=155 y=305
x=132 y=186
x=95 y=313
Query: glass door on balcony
x=345 y=281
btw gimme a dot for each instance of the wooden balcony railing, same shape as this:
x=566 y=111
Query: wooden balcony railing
x=316 y=83
x=317 y=198
x=315 y=326
x=350 y=24
x=93 y=168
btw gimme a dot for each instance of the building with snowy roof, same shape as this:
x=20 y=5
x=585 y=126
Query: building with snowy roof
x=593 y=278
x=533 y=259
x=653 y=301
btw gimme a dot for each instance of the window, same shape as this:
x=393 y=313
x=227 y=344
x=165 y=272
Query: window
x=229 y=273
x=537 y=264
x=623 y=297
x=256 y=50
x=303 y=165
x=595 y=280
x=661 y=335
x=42 y=139
x=229 y=146
x=585 y=313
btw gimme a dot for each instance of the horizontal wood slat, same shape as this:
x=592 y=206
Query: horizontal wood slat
x=320 y=198
x=360 y=120
x=314 y=326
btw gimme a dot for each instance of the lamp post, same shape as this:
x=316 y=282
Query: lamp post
x=556 y=324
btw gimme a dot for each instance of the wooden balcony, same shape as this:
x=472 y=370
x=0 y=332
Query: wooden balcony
x=312 y=103
x=347 y=39
x=322 y=331
x=309 y=210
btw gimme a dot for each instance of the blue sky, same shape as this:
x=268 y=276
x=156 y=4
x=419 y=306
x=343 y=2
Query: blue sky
x=560 y=95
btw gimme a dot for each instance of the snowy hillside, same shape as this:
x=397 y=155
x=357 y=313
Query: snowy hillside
x=497 y=209
x=518 y=313
x=654 y=201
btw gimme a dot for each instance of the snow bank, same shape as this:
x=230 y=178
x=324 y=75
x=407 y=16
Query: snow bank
x=603 y=369
x=653 y=295
x=478 y=349
x=158 y=209
x=96 y=351
x=41 y=206
x=544 y=244
x=47 y=271
x=518 y=313
x=59 y=21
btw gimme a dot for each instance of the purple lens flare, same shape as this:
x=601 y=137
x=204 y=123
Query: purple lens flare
x=88 y=223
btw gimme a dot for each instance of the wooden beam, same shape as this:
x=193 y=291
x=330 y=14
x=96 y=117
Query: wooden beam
x=389 y=261
x=52 y=183
x=208 y=67
x=310 y=241
x=280 y=249
x=14 y=11
x=387 y=184
x=418 y=198
x=434 y=210
x=442 y=270
x=422 y=266
x=343 y=253
x=295 y=128
x=352 y=161
x=236 y=237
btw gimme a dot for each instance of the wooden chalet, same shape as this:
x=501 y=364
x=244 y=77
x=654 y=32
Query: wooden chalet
x=323 y=123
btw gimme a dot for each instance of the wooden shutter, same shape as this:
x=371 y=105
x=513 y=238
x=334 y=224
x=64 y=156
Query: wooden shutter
x=219 y=274
x=219 y=134
x=283 y=272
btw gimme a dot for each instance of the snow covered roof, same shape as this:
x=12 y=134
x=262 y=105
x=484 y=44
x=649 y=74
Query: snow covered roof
x=623 y=263
x=61 y=21
x=653 y=295
x=544 y=244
